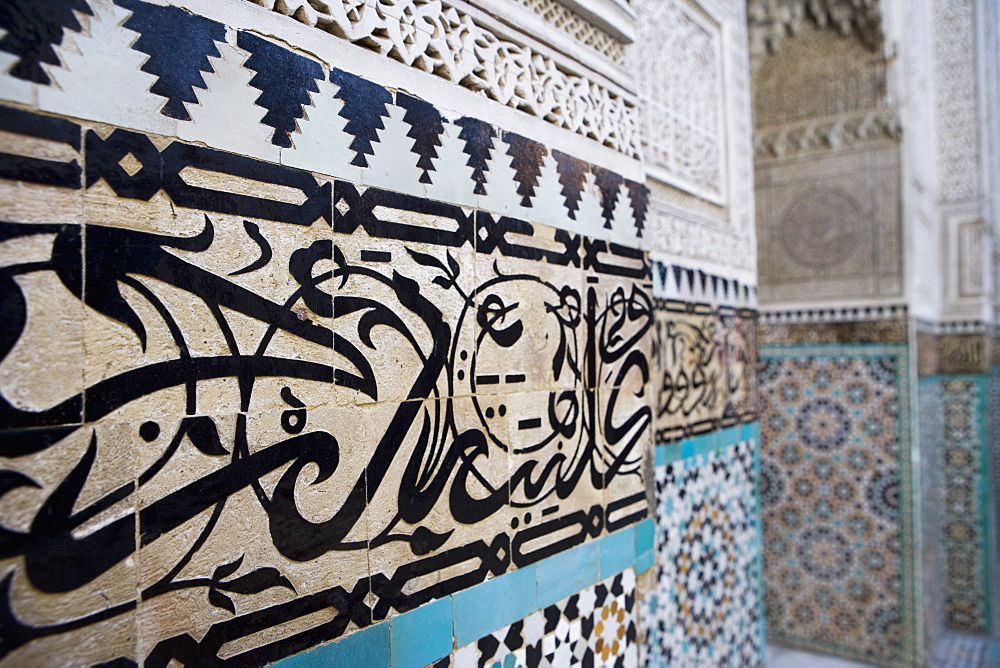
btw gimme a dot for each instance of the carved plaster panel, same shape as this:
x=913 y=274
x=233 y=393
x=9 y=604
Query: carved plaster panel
x=956 y=100
x=688 y=223
x=829 y=228
x=818 y=75
x=965 y=247
x=826 y=134
x=580 y=29
x=741 y=204
x=682 y=118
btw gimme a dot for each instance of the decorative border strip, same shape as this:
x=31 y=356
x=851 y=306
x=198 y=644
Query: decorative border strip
x=691 y=238
x=668 y=453
x=242 y=93
x=444 y=39
x=462 y=617
x=705 y=607
x=430 y=632
x=831 y=134
x=579 y=28
x=954 y=327
x=674 y=281
x=971 y=437
x=841 y=314
x=993 y=487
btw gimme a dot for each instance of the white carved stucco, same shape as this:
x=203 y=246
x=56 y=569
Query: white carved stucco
x=678 y=64
x=714 y=230
x=956 y=108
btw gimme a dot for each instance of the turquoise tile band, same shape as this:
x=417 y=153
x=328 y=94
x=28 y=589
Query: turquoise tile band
x=434 y=630
x=667 y=453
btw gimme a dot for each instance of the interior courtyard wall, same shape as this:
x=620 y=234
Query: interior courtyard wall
x=378 y=333
x=898 y=260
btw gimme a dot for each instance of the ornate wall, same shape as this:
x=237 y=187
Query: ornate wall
x=875 y=146
x=382 y=333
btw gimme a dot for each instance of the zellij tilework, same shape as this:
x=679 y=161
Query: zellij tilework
x=705 y=608
x=963 y=478
x=835 y=484
x=595 y=627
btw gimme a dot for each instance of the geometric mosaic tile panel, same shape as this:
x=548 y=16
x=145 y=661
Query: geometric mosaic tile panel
x=931 y=506
x=705 y=608
x=964 y=480
x=836 y=492
x=993 y=510
x=595 y=627
x=704 y=366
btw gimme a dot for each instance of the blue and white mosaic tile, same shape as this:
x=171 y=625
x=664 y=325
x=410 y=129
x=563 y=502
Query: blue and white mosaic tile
x=705 y=609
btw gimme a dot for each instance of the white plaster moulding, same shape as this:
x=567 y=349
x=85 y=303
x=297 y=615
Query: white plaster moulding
x=978 y=310
x=804 y=316
x=691 y=216
x=822 y=137
x=614 y=16
x=526 y=21
x=453 y=100
x=739 y=256
x=651 y=111
x=833 y=305
x=943 y=327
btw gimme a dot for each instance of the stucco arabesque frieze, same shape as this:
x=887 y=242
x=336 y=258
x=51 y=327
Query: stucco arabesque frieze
x=445 y=39
x=826 y=134
x=580 y=29
x=773 y=21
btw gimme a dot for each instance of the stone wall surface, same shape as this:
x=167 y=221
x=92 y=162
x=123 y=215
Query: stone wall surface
x=353 y=335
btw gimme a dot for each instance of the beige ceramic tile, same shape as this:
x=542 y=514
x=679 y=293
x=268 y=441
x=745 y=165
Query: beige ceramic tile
x=626 y=439
x=96 y=643
x=394 y=165
x=403 y=306
x=78 y=493
x=691 y=392
x=49 y=199
x=321 y=145
x=280 y=533
x=451 y=181
x=42 y=318
x=100 y=76
x=212 y=119
x=438 y=519
x=235 y=287
x=623 y=329
x=738 y=336
x=528 y=308
x=37 y=203
x=14 y=89
x=557 y=476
